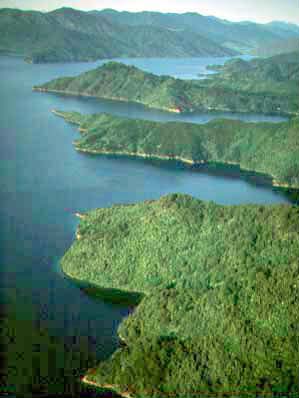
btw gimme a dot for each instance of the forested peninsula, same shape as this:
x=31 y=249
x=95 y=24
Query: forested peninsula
x=267 y=148
x=267 y=86
x=221 y=295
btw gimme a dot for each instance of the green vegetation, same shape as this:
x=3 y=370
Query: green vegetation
x=36 y=364
x=71 y=35
x=281 y=46
x=220 y=312
x=260 y=86
x=67 y=35
x=277 y=75
x=111 y=296
x=241 y=36
x=267 y=148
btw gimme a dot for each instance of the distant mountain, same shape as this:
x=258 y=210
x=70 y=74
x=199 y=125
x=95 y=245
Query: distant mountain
x=279 y=69
x=281 y=46
x=72 y=35
x=67 y=34
x=285 y=29
x=268 y=86
x=241 y=36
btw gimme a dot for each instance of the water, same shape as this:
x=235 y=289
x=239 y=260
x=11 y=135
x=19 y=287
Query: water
x=44 y=181
x=182 y=68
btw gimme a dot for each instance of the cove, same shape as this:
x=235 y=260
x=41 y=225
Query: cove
x=44 y=181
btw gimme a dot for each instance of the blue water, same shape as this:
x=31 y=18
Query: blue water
x=182 y=68
x=44 y=181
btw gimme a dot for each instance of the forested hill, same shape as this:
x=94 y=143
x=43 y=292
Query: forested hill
x=72 y=35
x=271 y=87
x=268 y=148
x=277 y=76
x=67 y=34
x=240 y=36
x=281 y=46
x=281 y=70
x=220 y=312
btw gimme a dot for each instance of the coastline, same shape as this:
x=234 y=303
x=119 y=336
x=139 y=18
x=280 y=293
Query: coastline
x=191 y=163
x=119 y=297
x=272 y=180
x=85 y=286
x=110 y=387
x=178 y=110
x=80 y=215
x=268 y=179
x=96 y=294
x=105 y=97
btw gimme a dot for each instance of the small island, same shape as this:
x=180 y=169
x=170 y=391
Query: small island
x=267 y=148
x=268 y=86
x=219 y=312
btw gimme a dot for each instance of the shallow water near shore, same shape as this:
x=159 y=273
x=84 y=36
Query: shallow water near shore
x=44 y=181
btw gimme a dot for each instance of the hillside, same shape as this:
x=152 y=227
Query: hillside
x=221 y=295
x=72 y=35
x=260 y=92
x=240 y=36
x=284 y=29
x=281 y=46
x=68 y=34
x=278 y=75
x=268 y=148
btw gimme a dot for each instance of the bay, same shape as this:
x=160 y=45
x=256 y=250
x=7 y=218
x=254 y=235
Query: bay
x=44 y=181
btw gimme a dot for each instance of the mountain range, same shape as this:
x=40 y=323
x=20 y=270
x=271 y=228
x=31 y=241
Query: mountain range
x=71 y=35
x=67 y=35
x=280 y=46
x=240 y=36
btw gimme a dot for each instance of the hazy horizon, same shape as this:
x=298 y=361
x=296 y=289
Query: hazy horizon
x=253 y=10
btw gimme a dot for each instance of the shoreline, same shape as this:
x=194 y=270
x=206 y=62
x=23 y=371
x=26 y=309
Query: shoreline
x=110 y=387
x=191 y=163
x=85 y=286
x=113 y=296
x=92 y=371
x=80 y=215
x=267 y=179
x=190 y=110
x=105 y=97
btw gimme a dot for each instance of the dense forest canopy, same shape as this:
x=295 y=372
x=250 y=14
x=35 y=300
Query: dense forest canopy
x=241 y=36
x=221 y=294
x=278 y=74
x=268 y=148
x=216 y=288
x=67 y=34
x=268 y=86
